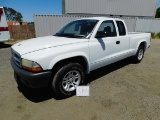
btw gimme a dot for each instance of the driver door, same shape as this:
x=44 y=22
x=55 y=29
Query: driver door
x=105 y=50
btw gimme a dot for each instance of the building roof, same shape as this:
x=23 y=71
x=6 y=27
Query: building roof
x=136 y=8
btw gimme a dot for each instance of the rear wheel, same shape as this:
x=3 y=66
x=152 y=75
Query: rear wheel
x=139 y=55
x=67 y=79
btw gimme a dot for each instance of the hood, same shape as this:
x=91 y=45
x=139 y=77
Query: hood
x=40 y=43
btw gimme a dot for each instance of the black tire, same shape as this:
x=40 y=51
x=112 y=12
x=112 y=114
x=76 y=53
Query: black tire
x=139 y=55
x=1 y=43
x=59 y=82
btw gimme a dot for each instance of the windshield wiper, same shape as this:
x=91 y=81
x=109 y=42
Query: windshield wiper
x=69 y=35
x=57 y=34
x=62 y=35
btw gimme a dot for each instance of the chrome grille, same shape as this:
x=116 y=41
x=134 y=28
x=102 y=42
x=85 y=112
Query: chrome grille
x=16 y=58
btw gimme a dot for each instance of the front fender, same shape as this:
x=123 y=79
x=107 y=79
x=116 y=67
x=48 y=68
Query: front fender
x=70 y=55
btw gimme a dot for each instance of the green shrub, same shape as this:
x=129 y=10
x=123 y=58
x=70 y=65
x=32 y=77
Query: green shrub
x=158 y=35
x=153 y=35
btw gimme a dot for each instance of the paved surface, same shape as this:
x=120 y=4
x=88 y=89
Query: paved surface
x=121 y=91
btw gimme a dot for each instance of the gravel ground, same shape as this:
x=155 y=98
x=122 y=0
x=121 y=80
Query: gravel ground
x=121 y=91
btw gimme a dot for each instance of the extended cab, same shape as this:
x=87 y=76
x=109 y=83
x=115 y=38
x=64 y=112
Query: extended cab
x=62 y=60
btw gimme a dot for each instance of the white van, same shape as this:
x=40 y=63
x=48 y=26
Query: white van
x=4 y=31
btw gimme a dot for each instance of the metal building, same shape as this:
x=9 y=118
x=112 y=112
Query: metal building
x=138 y=14
x=148 y=25
x=127 y=8
x=51 y=24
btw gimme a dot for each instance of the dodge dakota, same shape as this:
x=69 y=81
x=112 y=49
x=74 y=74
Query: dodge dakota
x=61 y=61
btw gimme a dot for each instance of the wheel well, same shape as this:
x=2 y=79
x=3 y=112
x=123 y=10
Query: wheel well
x=144 y=45
x=79 y=59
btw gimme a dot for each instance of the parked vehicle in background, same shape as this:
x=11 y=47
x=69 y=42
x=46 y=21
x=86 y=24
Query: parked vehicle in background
x=61 y=61
x=4 y=31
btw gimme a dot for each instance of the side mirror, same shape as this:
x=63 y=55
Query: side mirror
x=102 y=34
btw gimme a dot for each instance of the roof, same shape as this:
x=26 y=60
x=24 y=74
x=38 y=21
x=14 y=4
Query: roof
x=100 y=18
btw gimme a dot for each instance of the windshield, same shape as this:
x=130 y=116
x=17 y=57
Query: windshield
x=77 y=29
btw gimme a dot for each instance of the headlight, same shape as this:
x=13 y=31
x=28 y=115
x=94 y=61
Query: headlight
x=31 y=66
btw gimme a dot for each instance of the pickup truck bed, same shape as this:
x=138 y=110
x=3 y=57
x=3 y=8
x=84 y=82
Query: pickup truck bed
x=143 y=36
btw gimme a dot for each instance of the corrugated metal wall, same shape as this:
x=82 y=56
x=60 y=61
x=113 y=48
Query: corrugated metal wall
x=51 y=24
x=148 y=25
x=112 y=7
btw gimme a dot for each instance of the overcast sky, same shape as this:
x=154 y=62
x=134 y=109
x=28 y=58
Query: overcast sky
x=30 y=7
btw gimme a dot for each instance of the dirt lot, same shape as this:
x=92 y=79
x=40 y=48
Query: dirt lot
x=121 y=91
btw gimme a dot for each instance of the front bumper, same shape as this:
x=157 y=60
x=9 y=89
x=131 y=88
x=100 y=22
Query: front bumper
x=34 y=80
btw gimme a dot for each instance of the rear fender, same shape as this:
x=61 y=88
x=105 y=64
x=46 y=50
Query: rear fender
x=138 y=44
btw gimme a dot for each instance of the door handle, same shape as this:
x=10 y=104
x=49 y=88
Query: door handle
x=117 y=42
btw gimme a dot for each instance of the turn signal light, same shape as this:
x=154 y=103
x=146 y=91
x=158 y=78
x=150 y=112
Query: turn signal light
x=38 y=69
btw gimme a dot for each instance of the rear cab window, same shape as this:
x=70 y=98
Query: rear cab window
x=121 y=28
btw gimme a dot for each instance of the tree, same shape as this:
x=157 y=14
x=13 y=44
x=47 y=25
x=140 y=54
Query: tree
x=13 y=15
x=30 y=23
x=158 y=13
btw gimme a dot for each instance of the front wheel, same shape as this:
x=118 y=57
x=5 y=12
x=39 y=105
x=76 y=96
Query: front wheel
x=139 y=55
x=67 y=79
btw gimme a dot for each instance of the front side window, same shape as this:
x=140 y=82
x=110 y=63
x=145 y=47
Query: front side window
x=78 y=29
x=109 y=26
x=121 y=28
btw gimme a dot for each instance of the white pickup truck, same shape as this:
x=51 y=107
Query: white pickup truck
x=62 y=60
